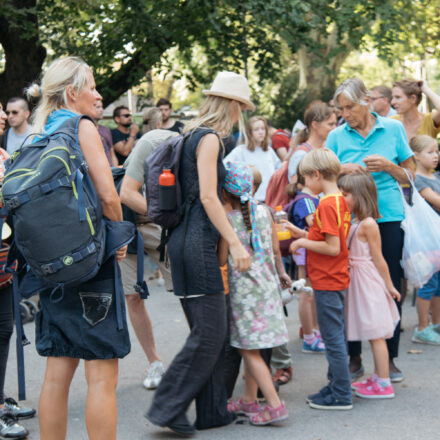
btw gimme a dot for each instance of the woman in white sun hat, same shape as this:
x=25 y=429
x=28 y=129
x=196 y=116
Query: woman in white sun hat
x=197 y=370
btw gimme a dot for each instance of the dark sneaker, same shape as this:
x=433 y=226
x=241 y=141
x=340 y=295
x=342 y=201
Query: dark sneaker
x=21 y=412
x=329 y=403
x=358 y=373
x=9 y=428
x=326 y=391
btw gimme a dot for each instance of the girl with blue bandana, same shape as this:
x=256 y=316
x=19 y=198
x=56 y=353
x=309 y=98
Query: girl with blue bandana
x=256 y=315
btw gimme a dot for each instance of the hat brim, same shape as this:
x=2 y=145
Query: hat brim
x=249 y=105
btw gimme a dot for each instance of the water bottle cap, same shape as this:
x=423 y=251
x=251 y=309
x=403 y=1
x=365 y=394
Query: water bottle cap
x=278 y=208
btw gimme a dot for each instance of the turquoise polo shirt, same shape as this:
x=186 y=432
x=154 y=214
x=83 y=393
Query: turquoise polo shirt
x=387 y=139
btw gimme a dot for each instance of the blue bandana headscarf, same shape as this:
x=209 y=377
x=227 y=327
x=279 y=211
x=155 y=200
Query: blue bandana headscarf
x=239 y=181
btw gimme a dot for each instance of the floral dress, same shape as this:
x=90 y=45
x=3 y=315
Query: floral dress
x=256 y=315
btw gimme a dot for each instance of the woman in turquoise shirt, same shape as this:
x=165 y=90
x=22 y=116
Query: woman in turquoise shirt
x=368 y=142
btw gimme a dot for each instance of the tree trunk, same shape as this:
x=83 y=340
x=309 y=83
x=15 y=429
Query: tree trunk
x=24 y=53
x=319 y=69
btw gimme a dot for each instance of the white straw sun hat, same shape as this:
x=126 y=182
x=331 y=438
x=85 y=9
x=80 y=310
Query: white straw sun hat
x=232 y=86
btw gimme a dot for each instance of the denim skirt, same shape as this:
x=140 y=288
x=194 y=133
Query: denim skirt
x=82 y=322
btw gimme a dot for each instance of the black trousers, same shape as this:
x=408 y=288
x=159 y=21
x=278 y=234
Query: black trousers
x=197 y=371
x=391 y=235
x=6 y=328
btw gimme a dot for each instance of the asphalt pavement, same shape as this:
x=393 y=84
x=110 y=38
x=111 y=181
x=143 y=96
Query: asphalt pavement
x=413 y=414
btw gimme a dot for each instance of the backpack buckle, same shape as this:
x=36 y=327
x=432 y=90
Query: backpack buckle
x=48 y=269
x=13 y=203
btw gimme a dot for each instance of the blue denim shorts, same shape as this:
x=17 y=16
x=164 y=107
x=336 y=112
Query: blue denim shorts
x=83 y=323
x=431 y=288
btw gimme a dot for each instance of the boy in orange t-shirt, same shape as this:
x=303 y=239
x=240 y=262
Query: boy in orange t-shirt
x=327 y=266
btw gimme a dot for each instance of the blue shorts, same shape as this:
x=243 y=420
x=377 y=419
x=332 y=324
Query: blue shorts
x=431 y=288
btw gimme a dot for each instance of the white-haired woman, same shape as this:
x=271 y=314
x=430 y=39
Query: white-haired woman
x=197 y=370
x=368 y=142
x=67 y=90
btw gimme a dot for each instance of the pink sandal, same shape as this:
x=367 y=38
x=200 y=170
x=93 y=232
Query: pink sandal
x=241 y=408
x=268 y=415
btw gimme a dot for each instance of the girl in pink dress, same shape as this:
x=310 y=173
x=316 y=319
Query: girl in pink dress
x=370 y=311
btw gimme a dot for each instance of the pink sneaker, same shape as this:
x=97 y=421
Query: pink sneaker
x=268 y=415
x=366 y=382
x=375 y=391
x=241 y=408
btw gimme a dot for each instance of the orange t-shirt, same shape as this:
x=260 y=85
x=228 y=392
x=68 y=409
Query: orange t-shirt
x=331 y=217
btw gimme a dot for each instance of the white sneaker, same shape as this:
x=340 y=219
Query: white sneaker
x=154 y=375
x=160 y=281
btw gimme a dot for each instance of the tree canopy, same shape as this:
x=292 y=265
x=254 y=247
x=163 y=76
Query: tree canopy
x=124 y=39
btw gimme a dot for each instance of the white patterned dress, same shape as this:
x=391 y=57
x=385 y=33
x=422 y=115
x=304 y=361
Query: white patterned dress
x=256 y=315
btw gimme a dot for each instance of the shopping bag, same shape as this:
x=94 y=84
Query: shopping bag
x=421 y=248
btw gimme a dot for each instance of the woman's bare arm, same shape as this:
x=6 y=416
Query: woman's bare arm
x=207 y=153
x=100 y=173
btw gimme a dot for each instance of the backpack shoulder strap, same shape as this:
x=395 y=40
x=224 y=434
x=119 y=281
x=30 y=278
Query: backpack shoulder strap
x=71 y=126
x=304 y=147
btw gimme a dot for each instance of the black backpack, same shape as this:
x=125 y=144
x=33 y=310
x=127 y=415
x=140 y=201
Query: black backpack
x=46 y=187
x=167 y=156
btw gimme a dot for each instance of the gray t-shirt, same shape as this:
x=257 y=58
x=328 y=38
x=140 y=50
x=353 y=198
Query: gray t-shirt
x=134 y=164
x=15 y=141
x=422 y=182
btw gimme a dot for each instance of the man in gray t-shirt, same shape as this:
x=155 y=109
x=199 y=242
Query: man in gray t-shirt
x=18 y=113
x=132 y=196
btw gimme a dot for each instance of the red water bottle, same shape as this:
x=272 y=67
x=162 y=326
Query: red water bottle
x=167 y=190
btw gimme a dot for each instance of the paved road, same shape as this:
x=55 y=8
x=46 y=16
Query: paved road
x=412 y=415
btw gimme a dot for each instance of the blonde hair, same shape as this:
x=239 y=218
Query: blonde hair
x=250 y=144
x=322 y=160
x=421 y=142
x=215 y=113
x=63 y=72
x=363 y=189
x=257 y=177
x=151 y=119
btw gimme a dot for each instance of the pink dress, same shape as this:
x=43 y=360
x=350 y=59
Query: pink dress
x=370 y=311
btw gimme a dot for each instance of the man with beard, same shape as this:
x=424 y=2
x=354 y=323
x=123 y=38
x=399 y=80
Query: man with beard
x=106 y=135
x=168 y=123
x=125 y=135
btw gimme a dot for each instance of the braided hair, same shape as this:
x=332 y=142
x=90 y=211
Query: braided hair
x=245 y=212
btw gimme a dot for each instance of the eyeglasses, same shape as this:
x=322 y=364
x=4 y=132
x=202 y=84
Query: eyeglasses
x=126 y=116
x=14 y=112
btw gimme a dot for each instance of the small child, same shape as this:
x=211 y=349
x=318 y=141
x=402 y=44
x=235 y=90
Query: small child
x=371 y=313
x=327 y=265
x=256 y=311
x=301 y=210
x=428 y=184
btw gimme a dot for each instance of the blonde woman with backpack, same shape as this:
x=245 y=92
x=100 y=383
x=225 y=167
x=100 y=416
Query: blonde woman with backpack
x=65 y=330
